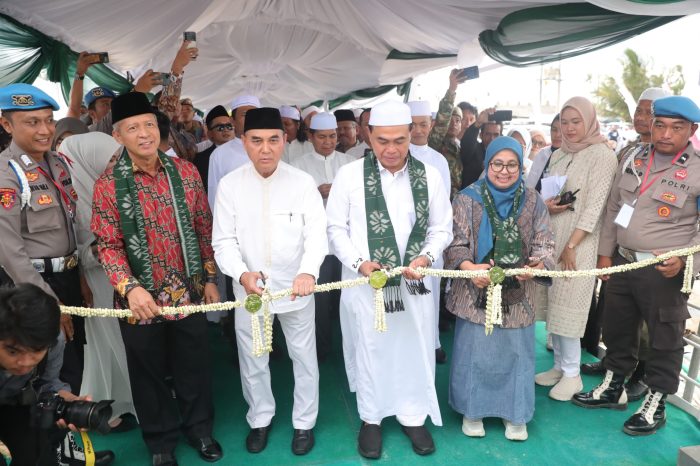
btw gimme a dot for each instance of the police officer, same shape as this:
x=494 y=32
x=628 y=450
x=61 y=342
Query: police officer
x=653 y=208
x=37 y=205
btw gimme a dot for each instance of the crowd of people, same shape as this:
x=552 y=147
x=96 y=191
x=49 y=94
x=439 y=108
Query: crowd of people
x=136 y=203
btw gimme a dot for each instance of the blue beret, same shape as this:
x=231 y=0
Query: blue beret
x=23 y=97
x=676 y=106
x=98 y=93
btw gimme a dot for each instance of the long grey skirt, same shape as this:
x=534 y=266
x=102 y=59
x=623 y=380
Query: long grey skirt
x=493 y=376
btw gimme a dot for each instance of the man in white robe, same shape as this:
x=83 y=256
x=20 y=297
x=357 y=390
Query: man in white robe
x=322 y=164
x=269 y=227
x=291 y=120
x=393 y=373
x=419 y=148
x=227 y=157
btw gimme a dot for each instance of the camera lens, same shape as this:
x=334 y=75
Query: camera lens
x=89 y=415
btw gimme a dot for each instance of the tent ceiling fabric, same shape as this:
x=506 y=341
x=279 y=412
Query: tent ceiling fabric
x=286 y=51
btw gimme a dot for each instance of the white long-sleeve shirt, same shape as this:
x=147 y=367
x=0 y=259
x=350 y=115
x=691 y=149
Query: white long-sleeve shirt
x=276 y=225
x=347 y=223
x=225 y=159
x=430 y=156
x=321 y=168
x=358 y=151
x=296 y=149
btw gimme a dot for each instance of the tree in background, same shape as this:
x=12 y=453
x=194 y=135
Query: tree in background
x=619 y=102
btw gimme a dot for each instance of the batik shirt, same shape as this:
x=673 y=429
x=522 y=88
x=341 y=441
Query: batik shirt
x=172 y=287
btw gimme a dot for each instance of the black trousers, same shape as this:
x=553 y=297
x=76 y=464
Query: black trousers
x=179 y=348
x=327 y=305
x=645 y=295
x=66 y=286
x=28 y=446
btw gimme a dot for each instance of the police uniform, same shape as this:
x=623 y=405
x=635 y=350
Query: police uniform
x=664 y=195
x=37 y=203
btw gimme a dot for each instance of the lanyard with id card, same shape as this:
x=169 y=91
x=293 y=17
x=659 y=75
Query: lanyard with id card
x=626 y=211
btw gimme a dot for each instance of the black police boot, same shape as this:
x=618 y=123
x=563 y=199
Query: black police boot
x=593 y=368
x=635 y=387
x=649 y=417
x=609 y=394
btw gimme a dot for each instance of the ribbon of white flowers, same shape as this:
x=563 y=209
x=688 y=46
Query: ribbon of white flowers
x=377 y=280
x=493 y=292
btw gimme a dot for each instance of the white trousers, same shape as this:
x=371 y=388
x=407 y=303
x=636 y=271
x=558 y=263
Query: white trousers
x=299 y=331
x=567 y=354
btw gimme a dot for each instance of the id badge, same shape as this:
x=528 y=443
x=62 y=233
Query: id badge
x=624 y=216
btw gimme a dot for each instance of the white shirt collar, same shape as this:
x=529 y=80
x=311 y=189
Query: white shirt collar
x=323 y=158
x=398 y=172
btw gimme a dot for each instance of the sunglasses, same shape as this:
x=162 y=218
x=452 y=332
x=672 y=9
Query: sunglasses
x=223 y=127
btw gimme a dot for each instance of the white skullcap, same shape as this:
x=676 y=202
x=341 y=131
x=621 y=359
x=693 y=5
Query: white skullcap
x=652 y=94
x=357 y=112
x=420 y=108
x=323 y=120
x=390 y=113
x=308 y=110
x=287 y=111
x=245 y=100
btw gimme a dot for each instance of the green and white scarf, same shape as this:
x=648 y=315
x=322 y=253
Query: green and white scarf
x=134 y=228
x=507 y=243
x=380 y=232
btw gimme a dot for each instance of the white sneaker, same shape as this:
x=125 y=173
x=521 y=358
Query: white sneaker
x=516 y=432
x=549 y=378
x=566 y=388
x=473 y=428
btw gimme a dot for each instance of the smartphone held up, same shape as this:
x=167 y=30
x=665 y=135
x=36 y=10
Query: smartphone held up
x=191 y=36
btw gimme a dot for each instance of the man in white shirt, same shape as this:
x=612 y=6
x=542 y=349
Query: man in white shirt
x=358 y=151
x=386 y=210
x=347 y=130
x=322 y=164
x=291 y=120
x=231 y=155
x=419 y=148
x=269 y=228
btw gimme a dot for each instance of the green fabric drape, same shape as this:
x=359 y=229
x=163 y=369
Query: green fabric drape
x=550 y=33
x=24 y=52
x=369 y=93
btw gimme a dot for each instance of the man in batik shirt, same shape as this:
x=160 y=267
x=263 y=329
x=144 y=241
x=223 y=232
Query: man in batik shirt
x=153 y=228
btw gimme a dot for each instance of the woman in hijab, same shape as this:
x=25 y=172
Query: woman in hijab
x=497 y=221
x=522 y=135
x=589 y=167
x=67 y=127
x=539 y=141
x=540 y=162
x=106 y=375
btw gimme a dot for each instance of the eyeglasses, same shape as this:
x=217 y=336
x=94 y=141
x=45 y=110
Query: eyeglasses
x=538 y=143
x=499 y=166
x=223 y=127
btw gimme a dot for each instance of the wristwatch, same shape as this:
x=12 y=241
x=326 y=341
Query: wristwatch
x=77 y=76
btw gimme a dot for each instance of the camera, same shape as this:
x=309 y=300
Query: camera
x=89 y=415
x=568 y=197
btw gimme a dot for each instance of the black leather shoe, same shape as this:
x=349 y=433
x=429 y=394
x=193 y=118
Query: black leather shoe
x=302 y=441
x=609 y=394
x=650 y=417
x=593 y=368
x=369 y=442
x=164 y=459
x=440 y=356
x=208 y=448
x=257 y=439
x=421 y=440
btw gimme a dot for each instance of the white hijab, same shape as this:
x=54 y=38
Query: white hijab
x=90 y=154
x=525 y=134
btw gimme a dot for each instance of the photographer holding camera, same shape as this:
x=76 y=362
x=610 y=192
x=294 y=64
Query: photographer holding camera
x=34 y=403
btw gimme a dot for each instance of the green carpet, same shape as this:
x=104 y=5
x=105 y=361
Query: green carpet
x=560 y=433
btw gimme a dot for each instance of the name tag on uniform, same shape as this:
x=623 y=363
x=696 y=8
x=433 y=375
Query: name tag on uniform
x=624 y=216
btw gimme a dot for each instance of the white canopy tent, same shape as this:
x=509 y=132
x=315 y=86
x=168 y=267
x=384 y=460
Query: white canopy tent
x=290 y=51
